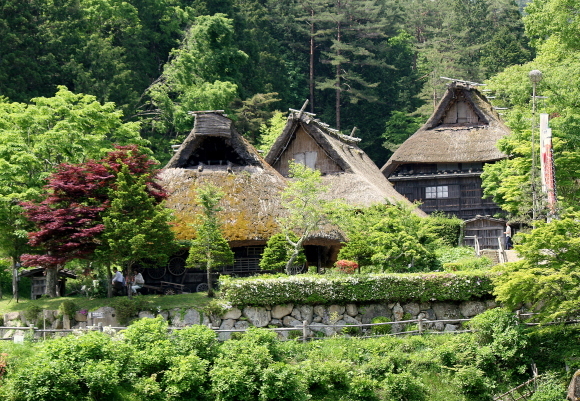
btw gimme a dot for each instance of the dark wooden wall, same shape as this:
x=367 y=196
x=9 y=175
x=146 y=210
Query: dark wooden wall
x=464 y=196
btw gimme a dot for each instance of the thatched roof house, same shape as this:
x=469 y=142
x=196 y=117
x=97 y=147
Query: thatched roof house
x=440 y=165
x=215 y=152
x=350 y=174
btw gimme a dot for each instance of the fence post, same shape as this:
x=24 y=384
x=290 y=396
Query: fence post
x=100 y=325
x=304 y=330
x=420 y=324
x=518 y=312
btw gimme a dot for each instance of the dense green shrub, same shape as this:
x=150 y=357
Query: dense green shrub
x=100 y=377
x=153 y=349
x=403 y=387
x=326 y=377
x=197 y=338
x=379 y=368
x=186 y=378
x=283 y=382
x=501 y=342
x=32 y=312
x=384 y=329
x=467 y=264
x=277 y=253
x=127 y=308
x=362 y=388
x=549 y=389
x=67 y=308
x=473 y=383
x=449 y=254
x=448 y=229
x=266 y=290
x=68 y=368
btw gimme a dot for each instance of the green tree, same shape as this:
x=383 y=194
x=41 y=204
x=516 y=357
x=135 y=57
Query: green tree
x=557 y=57
x=253 y=113
x=202 y=74
x=548 y=277
x=390 y=237
x=209 y=248
x=355 y=31
x=136 y=224
x=270 y=131
x=277 y=253
x=306 y=210
x=35 y=138
x=398 y=128
x=106 y=48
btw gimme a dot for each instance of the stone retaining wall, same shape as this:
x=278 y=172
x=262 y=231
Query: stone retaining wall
x=323 y=320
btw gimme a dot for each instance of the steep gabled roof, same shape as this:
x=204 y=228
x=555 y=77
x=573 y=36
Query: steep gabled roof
x=214 y=152
x=214 y=128
x=463 y=128
x=354 y=177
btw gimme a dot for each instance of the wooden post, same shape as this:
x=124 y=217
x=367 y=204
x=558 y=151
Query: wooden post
x=304 y=330
x=420 y=324
x=100 y=326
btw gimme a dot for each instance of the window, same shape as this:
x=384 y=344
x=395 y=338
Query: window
x=306 y=158
x=441 y=191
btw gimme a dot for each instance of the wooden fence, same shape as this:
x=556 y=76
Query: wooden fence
x=423 y=326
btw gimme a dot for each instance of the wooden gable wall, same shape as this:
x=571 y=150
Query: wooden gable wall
x=460 y=112
x=304 y=149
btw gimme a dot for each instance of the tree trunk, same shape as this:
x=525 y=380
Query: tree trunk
x=109 y=281
x=15 y=278
x=51 y=281
x=312 y=49
x=128 y=284
x=57 y=284
x=209 y=283
x=294 y=256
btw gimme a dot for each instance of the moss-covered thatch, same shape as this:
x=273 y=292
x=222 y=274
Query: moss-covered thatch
x=214 y=152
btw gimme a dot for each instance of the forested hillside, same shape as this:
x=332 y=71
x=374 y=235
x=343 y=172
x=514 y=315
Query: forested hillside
x=375 y=64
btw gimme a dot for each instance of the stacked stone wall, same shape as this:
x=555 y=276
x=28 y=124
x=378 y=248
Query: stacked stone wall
x=322 y=320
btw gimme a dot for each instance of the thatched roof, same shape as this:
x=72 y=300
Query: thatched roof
x=447 y=138
x=214 y=140
x=251 y=187
x=349 y=172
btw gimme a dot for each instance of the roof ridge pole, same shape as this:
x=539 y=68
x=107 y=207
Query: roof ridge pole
x=302 y=109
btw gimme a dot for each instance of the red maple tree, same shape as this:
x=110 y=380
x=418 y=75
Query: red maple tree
x=69 y=218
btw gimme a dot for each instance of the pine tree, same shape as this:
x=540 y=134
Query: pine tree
x=135 y=225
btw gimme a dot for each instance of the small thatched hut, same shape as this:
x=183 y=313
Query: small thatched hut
x=345 y=168
x=441 y=164
x=214 y=152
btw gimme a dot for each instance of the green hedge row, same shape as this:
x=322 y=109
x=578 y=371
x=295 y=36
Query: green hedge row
x=316 y=289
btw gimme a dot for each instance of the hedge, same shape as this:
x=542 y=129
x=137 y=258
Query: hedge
x=317 y=289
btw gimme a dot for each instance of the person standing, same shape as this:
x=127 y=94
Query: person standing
x=508 y=236
x=118 y=281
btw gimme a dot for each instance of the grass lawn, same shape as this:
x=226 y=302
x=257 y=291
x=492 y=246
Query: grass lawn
x=164 y=302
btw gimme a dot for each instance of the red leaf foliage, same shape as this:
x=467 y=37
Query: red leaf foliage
x=69 y=219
